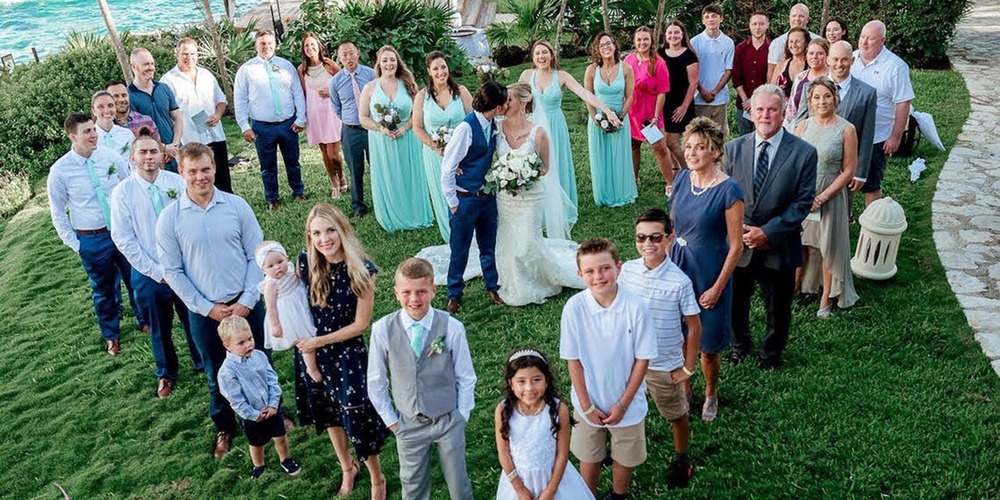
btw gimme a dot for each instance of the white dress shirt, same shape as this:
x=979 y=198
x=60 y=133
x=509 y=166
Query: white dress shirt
x=607 y=341
x=133 y=219
x=207 y=254
x=716 y=57
x=890 y=76
x=454 y=152
x=378 y=361
x=203 y=94
x=252 y=93
x=119 y=139
x=70 y=186
x=776 y=51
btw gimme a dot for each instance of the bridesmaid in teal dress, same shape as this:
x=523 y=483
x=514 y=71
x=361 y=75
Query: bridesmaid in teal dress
x=547 y=82
x=441 y=102
x=399 y=187
x=610 y=152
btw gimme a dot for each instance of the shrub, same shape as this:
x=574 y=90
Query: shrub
x=14 y=192
x=413 y=27
x=237 y=46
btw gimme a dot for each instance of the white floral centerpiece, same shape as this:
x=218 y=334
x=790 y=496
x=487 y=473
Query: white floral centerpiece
x=388 y=116
x=441 y=136
x=514 y=172
x=486 y=69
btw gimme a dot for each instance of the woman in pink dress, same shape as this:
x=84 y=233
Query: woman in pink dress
x=652 y=82
x=323 y=125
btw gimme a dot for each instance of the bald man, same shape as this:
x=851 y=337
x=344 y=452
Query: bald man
x=156 y=100
x=798 y=17
x=877 y=66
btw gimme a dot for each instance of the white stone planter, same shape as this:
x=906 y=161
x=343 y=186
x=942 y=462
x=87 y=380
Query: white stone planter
x=882 y=224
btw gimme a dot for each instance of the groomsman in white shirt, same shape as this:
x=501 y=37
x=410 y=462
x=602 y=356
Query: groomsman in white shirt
x=271 y=111
x=206 y=242
x=136 y=202
x=109 y=134
x=81 y=181
x=202 y=104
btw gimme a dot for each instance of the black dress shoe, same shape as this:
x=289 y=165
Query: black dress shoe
x=360 y=213
x=736 y=356
x=769 y=363
x=454 y=305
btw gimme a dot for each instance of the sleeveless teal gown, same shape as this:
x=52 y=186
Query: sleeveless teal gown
x=549 y=102
x=611 y=153
x=435 y=117
x=399 y=187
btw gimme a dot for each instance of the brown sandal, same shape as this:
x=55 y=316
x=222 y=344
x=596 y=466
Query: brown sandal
x=354 y=479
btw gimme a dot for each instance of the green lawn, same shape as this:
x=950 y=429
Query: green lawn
x=892 y=398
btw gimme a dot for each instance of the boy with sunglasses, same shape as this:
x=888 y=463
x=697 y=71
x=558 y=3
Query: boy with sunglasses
x=669 y=295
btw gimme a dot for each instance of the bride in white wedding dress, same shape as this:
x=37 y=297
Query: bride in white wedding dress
x=531 y=268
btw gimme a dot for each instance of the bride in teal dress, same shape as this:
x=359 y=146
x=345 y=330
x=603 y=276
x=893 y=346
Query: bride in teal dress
x=610 y=152
x=399 y=187
x=547 y=82
x=443 y=102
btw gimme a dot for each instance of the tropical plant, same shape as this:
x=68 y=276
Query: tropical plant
x=237 y=45
x=116 y=41
x=533 y=21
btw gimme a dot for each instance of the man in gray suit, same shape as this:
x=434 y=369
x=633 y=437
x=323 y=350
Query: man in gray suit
x=777 y=172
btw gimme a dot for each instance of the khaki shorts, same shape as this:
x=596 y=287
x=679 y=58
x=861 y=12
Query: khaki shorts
x=668 y=396
x=717 y=113
x=628 y=444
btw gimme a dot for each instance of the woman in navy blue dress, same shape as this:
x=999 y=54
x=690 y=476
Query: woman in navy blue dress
x=341 y=283
x=707 y=213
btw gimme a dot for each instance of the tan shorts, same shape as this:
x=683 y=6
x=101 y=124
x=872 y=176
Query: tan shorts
x=628 y=444
x=717 y=113
x=668 y=396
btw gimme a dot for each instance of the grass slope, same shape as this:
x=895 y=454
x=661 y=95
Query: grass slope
x=891 y=398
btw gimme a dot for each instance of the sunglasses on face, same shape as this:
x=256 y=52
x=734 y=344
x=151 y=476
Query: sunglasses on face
x=655 y=237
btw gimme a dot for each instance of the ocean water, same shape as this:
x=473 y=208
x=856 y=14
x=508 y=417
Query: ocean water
x=43 y=24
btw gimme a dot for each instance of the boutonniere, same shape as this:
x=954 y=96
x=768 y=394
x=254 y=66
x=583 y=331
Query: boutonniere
x=172 y=194
x=125 y=148
x=112 y=170
x=436 y=347
x=275 y=68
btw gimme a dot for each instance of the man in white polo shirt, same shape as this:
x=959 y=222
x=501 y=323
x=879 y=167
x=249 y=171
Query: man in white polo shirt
x=877 y=66
x=798 y=17
x=715 y=52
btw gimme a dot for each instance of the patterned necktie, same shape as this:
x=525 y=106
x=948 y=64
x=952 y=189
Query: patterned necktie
x=102 y=197
x=354 y=84
x=761 y=172
x=275 y=99
x=157 y=199
x=417 y=342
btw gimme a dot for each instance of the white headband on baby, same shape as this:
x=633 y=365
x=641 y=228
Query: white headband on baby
x=270 y=247
x=526 y=352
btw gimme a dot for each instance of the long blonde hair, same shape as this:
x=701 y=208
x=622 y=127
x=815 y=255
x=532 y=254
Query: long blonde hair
x=402 y=72
x=362 y=281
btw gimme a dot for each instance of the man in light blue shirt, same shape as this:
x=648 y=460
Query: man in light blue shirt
x=136 y=202
x=206 y=242
x=270 y=108
x=81 y=182
x=345 y=94
x=715 y=52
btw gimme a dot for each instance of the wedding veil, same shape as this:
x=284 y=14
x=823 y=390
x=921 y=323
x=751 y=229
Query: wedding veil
x=558 y=211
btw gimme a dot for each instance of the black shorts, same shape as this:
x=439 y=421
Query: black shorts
x=876 y=169
x=259 y=433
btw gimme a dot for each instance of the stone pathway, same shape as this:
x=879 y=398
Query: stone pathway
x=966 y=207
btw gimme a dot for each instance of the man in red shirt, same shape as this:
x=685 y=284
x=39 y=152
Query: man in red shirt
x=750 y=68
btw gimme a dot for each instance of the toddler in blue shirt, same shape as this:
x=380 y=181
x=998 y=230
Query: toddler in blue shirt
x=248 y=381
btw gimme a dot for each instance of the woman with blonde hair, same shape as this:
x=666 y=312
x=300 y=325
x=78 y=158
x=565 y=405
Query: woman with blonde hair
x=652 y=82
x=341 y=283
x=816 y=66
x=399 y=187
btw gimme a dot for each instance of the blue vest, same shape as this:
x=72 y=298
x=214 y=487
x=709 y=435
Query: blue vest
x=478 y=159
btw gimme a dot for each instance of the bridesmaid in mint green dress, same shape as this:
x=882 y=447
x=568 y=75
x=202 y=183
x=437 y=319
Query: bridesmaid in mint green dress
x=610 y=152
x=547 y=82
x=399 y=187
x=443 y=102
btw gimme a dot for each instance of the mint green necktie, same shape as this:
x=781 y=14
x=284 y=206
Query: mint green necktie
x=108 y=141
x=417 y=342
x=157 y=199
x=275 y=99
x=102 y=197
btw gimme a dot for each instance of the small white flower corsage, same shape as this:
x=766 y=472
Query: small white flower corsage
x=436 y=347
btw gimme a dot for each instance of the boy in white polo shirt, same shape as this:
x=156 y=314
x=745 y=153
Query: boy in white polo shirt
x=607 y=338
x=669 y=295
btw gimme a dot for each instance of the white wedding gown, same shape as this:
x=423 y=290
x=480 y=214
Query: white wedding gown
x=531 y=268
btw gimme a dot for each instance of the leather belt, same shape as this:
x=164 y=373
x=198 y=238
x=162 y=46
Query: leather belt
x=463 y=194
x=356 y=127
x=234 y=299
x=88 y=232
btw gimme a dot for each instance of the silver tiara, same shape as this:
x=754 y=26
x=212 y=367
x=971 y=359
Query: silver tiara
x=526 y=352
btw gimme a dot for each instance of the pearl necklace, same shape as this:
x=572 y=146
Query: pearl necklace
x=709 y=186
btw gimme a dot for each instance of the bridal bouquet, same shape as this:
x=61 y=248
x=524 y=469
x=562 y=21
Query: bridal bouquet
x=388 y=116
x=486 y=69
x=603 y=123
x=514 y=171
x=441 y=136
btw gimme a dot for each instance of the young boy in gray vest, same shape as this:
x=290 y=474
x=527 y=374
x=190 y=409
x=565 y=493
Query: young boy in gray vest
x=424 y=351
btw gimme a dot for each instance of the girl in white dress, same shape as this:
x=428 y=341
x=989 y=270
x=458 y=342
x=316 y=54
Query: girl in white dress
x=532 y=433
x=283 y=291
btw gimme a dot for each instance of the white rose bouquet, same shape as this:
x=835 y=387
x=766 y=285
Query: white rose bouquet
x=486 y=69
x=514 y=172
x=388 y=116
x=441 y=136
x=603 y=123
